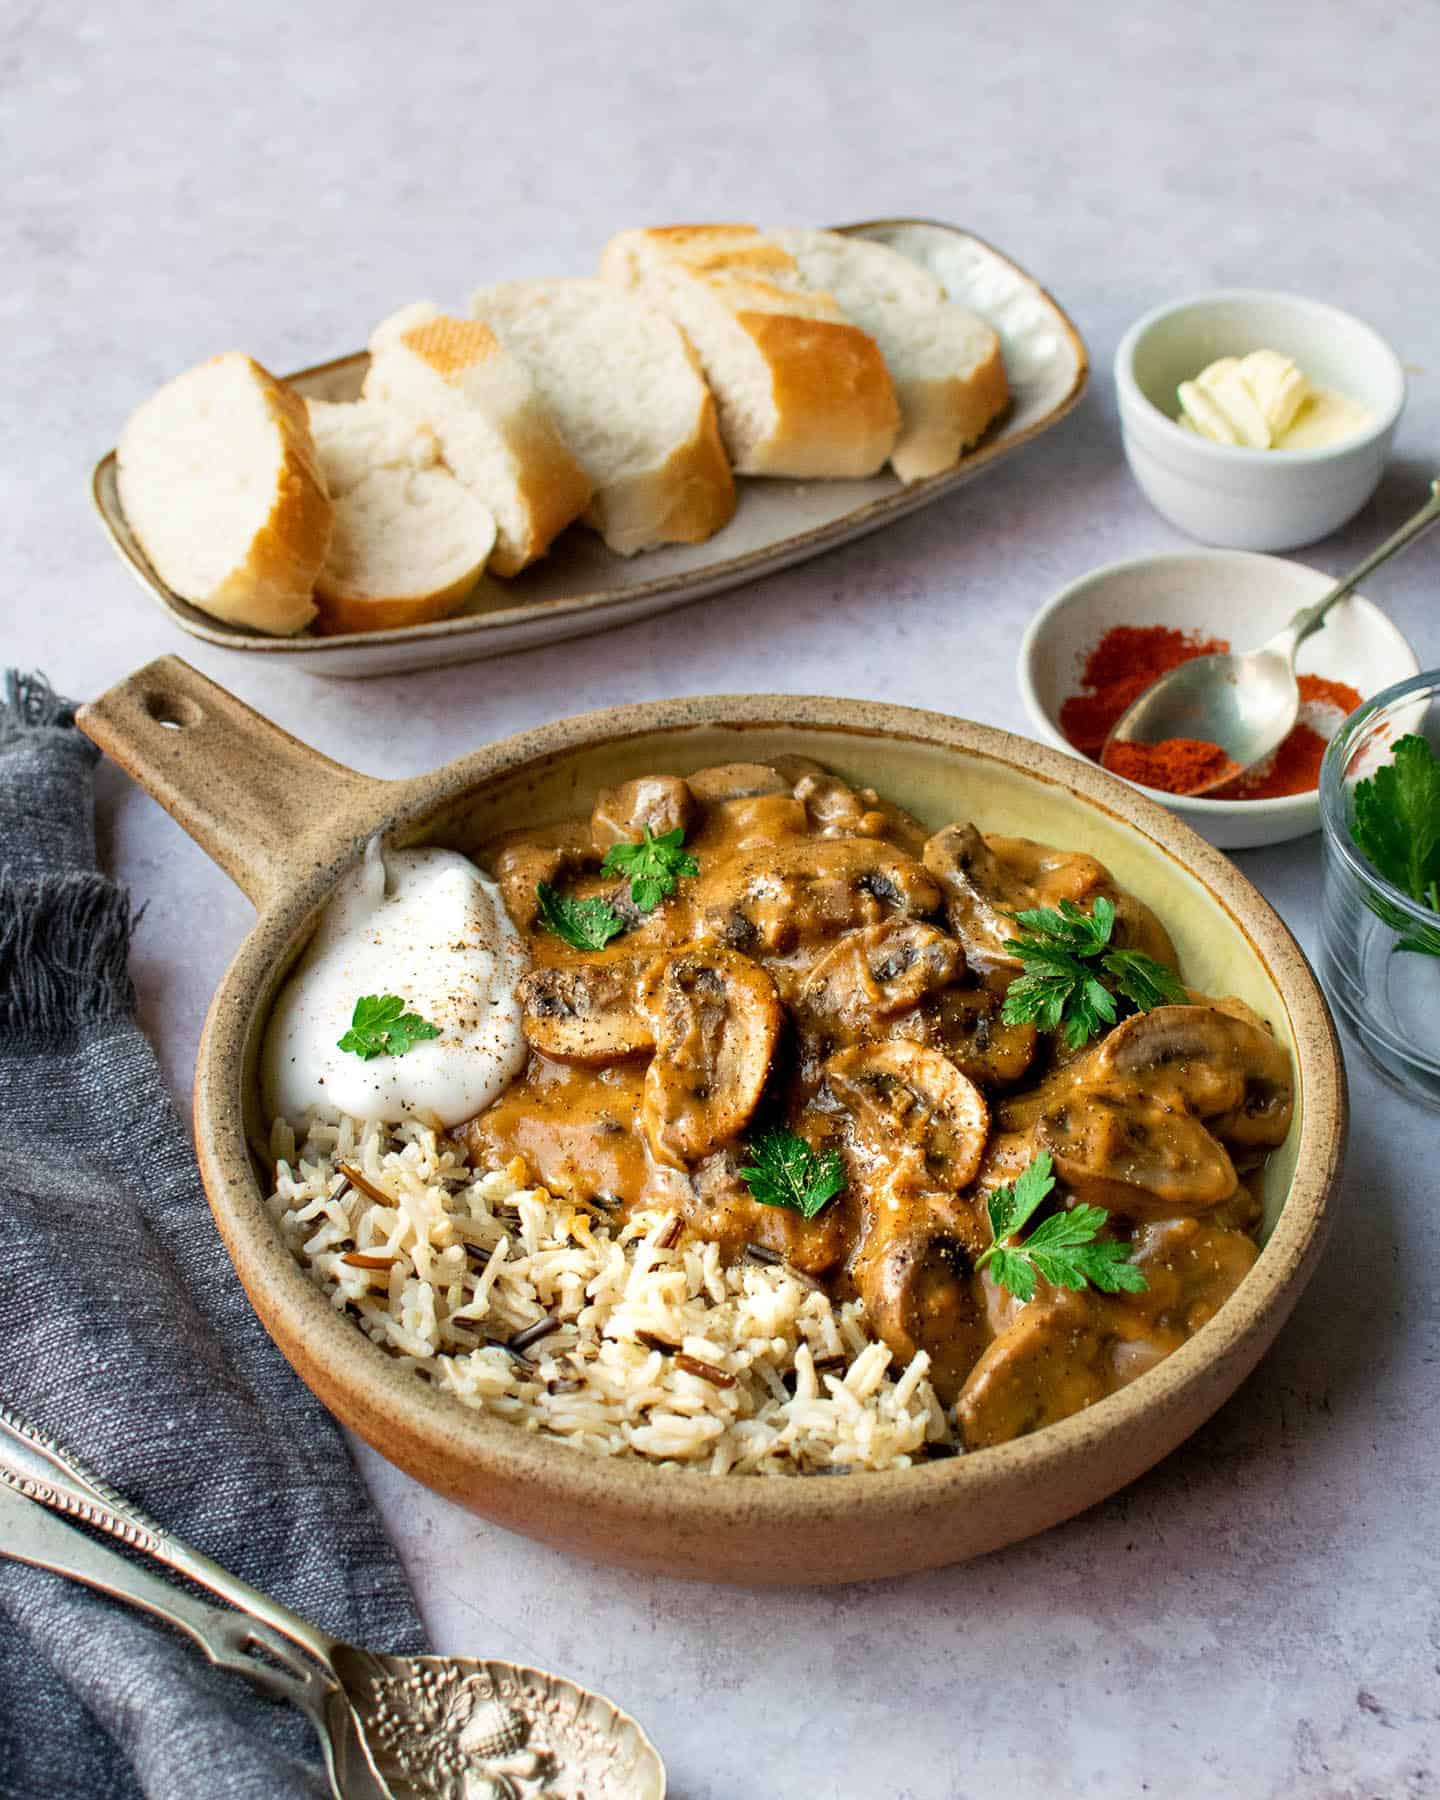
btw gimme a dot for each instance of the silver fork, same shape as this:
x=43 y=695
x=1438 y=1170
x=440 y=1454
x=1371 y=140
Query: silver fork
x=391 y=1727
x=38 y=1479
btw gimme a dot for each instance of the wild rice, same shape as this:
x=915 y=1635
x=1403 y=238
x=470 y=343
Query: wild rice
x=621 y=1339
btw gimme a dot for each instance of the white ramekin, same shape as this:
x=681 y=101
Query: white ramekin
x=1254 y=499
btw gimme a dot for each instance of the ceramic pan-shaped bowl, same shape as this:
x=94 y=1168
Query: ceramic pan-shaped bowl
x=287 y=824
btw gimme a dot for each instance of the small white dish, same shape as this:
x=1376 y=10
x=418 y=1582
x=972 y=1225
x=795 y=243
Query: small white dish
x=1254 y=499
x=1210 y=593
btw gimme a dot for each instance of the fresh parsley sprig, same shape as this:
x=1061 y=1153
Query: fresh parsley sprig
x=584 y=924
x=380 y=1026
x=653 y=867
x=787 y=1171
x=1071 y=976
x=1065 y=1249
x=1396 y=827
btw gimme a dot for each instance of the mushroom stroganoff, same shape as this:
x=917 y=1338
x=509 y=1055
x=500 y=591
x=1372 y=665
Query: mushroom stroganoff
x=836 y=1144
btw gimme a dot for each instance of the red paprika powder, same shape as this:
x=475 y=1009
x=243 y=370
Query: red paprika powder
x=1118 y=671
x=1129 y=658
x=1174 y=765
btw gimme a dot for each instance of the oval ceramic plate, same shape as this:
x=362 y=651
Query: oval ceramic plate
x=288 y=824
x=580 y=587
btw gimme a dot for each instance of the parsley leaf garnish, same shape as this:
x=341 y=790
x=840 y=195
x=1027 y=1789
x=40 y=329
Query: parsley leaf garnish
x=1071 y=976
x=584 y=924
x=1396 y=827
x=1064 y=1249
x=380 y=1026
x=787 y=1172
x=654 y=866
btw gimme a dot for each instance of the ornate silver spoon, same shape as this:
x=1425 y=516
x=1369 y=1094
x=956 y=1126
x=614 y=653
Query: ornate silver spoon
x=391 y=1727
x=1247 y=702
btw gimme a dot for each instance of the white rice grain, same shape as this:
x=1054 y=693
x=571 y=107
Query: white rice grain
x=481 y=1255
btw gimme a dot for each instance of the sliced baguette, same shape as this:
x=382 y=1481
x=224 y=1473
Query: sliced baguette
x=801 y=390
x=219 y=482
x=495 y=432
x=409 y=541
x=945 y=360
x=626 y=391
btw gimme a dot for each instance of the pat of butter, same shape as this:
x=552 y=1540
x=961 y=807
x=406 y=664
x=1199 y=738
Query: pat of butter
x=1263 y=401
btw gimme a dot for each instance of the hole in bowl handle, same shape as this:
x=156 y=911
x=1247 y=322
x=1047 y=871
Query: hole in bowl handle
x=257 y=801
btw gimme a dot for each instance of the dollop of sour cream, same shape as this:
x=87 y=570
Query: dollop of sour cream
x=427 y=926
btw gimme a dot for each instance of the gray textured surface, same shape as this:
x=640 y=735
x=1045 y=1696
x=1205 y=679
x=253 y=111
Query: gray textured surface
x=1259 y=1616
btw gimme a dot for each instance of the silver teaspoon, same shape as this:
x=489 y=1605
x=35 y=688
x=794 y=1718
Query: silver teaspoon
x=1247 y=702
x=391 y=1727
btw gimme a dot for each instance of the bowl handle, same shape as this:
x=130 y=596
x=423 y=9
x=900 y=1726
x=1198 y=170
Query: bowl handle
x=257 y=801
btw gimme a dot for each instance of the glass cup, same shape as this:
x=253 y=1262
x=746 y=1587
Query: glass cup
x=1380 y=950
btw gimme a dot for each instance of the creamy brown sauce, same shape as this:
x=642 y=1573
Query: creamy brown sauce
x=835 y=970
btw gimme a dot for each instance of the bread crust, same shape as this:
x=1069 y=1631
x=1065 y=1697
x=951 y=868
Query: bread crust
x=944 y=418
x=652 y=486
x=833 y=404
x=346 y=608
x=686 y=500
x=550 y=486
x=269 y=590
x=730 y=249
x=555 y=491
x=383 y=481
x=274 y=590
x=836 y=411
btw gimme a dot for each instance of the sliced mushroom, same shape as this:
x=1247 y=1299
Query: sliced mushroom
x=1192 y=1267
x=585 y=1013
x=802 y=893
x=1137 y=928
x=736 y=781
x=963 y=1022
x=795 y=768
x=716 y=1019
x=875 y=972
x=979 y=893
x=1051 y=1361
x=722 y=1209
x=921 y=1293
x=1049 y=875
x=988 y=879
x=520 y=861
x=756 y=822
x=1214 y=1063
x=657 y=803
x=836 y=809
x=1134 y=1155
x=913 y=1111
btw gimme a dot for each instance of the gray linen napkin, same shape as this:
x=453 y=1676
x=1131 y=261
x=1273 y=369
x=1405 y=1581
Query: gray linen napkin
x=125 y=1332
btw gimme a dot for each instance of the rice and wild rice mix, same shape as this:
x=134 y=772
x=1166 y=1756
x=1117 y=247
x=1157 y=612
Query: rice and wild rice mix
x=624 y=1339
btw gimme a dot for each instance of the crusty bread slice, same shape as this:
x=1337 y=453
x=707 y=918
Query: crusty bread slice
x=945 y=360
x=409 y=541
x=495 y=432
x=219 y=483
x=626 y=391
x=800 y=389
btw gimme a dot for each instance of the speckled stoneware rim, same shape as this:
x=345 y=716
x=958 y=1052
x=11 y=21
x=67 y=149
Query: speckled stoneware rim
x=869 y=1525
